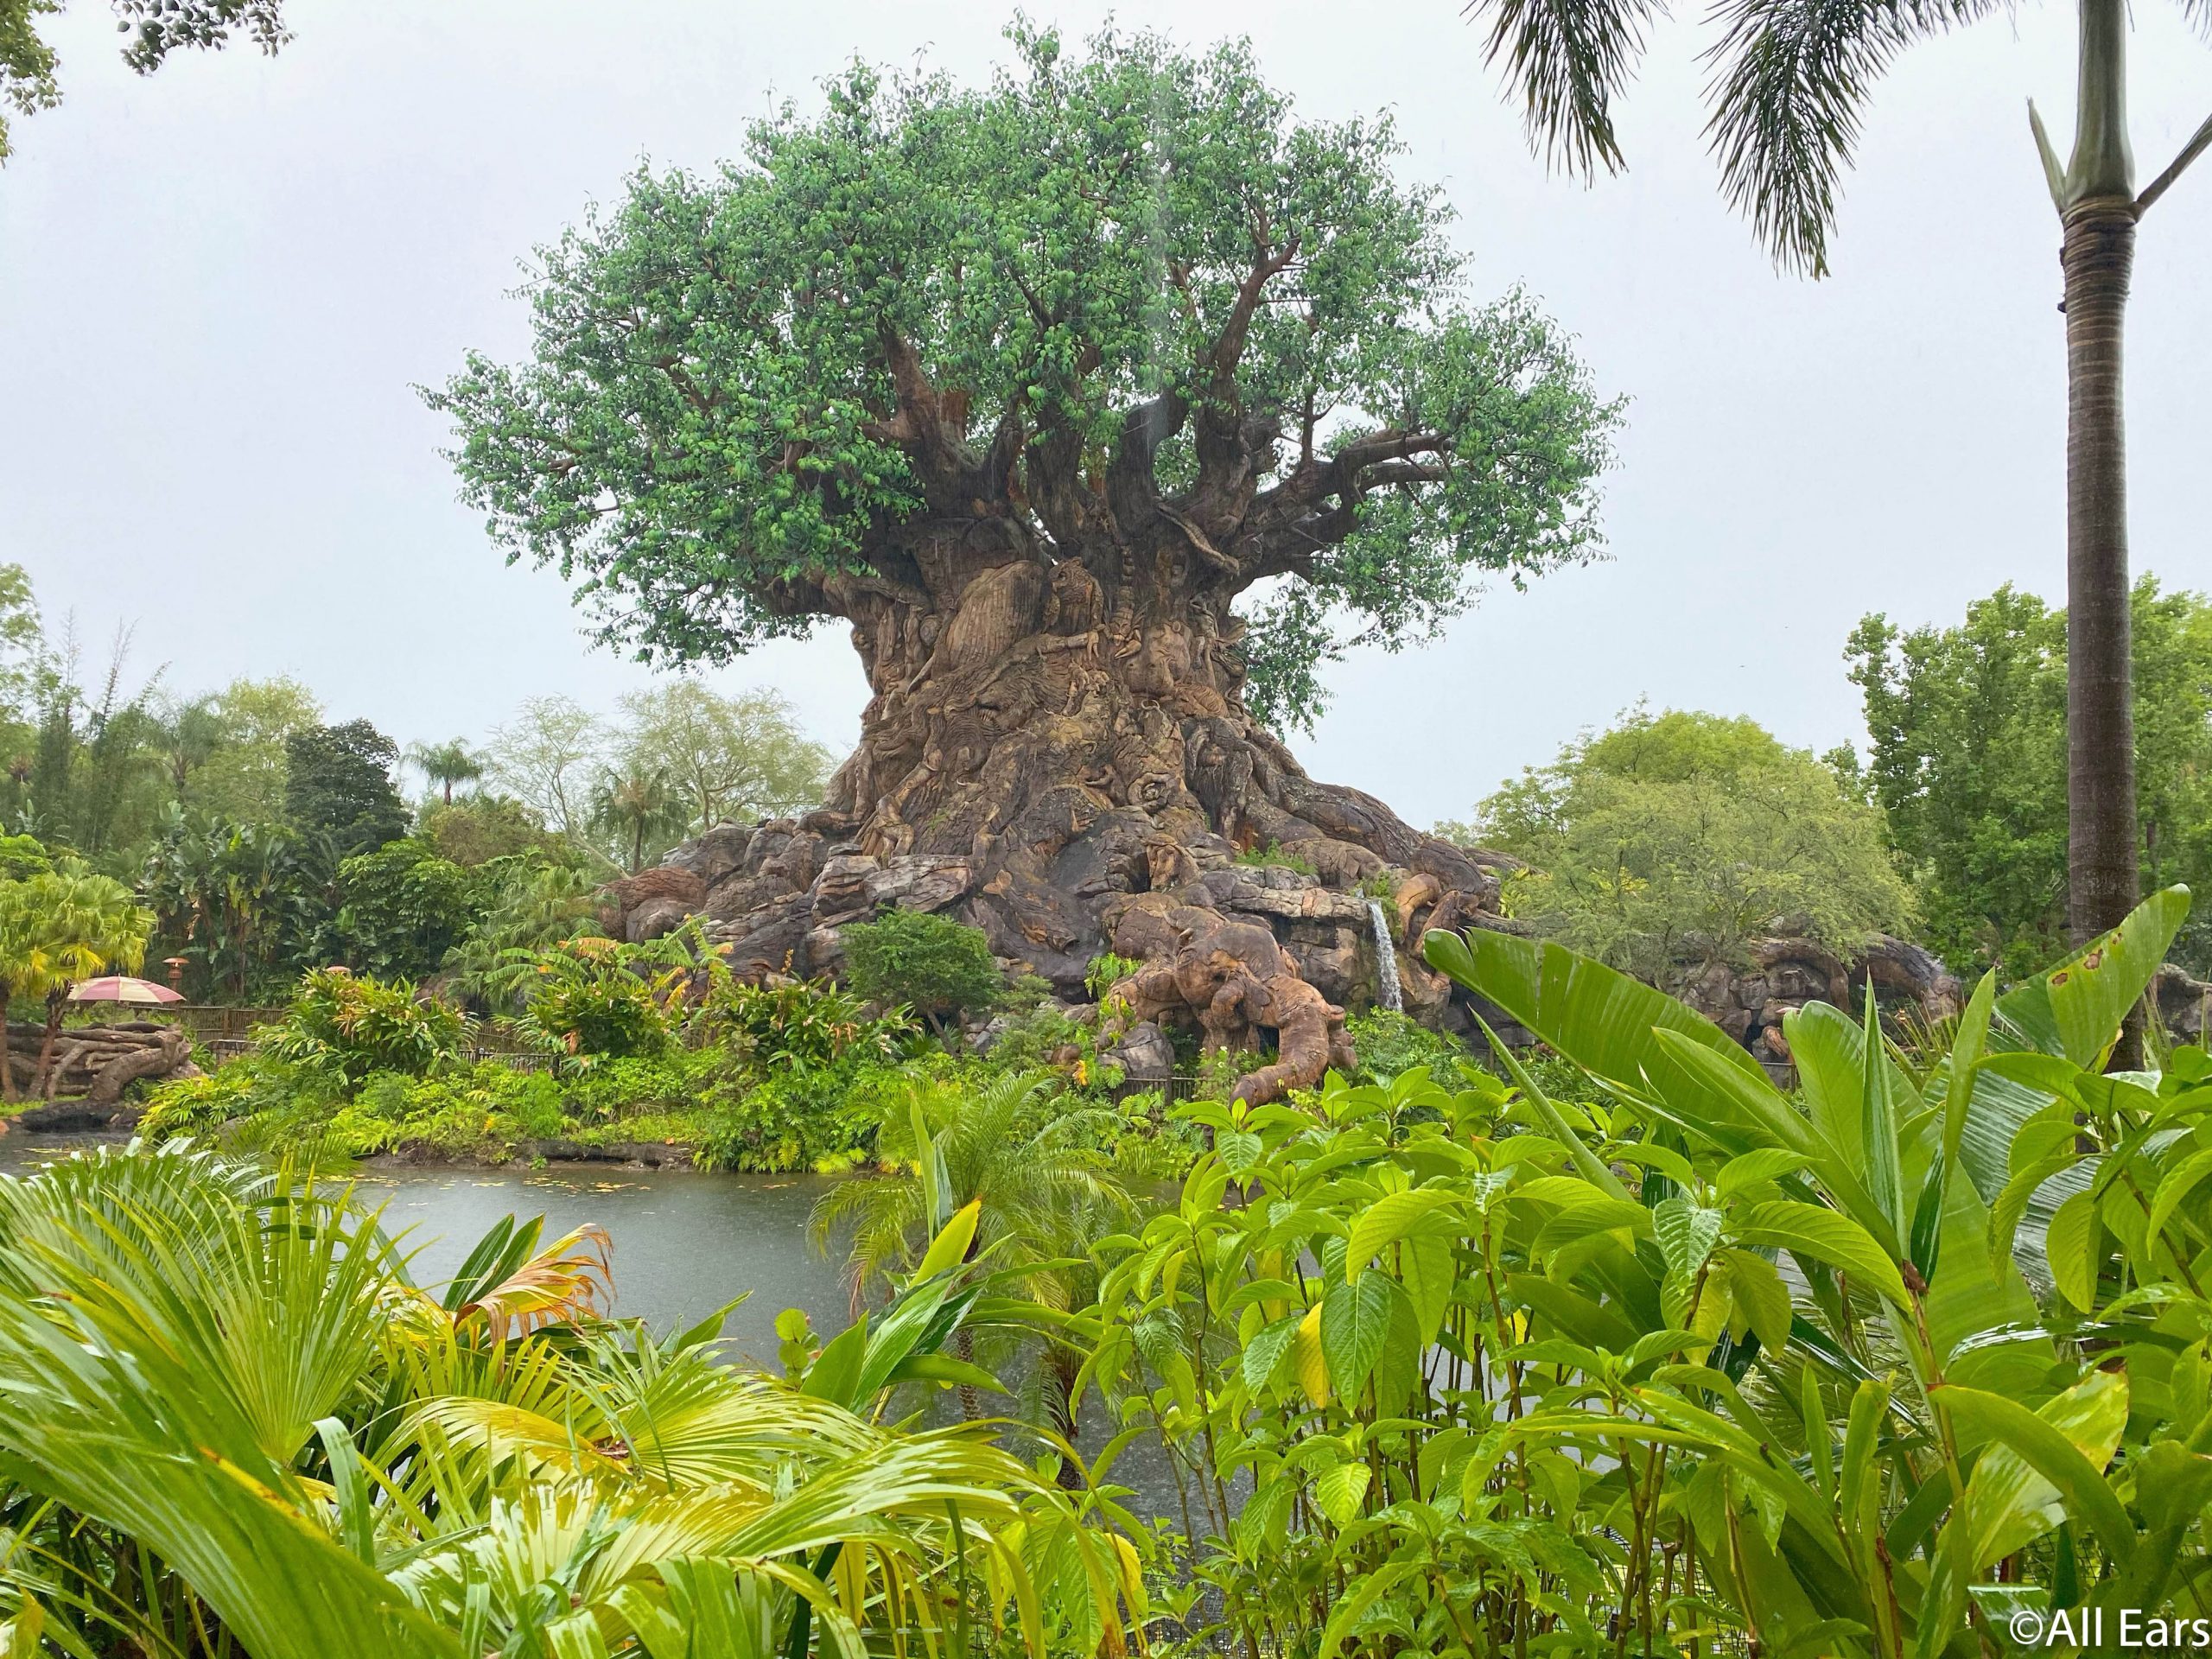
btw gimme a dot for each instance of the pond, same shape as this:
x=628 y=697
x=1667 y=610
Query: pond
x=685 y=1242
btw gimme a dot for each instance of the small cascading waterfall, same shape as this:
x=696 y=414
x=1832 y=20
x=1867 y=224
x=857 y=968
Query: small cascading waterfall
x=1387 y=991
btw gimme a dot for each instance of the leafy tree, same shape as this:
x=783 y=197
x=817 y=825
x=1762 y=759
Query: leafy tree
x=730 y=759
x=638 y=809
x=401 y=909
x=1114 y=347
x=939 y=968
x=243 y=777
x=534 y=906
x=77 y=926
x=1791 y=80
x=478 y=829
x=1967 y=728
x=1673 y=839
x=338 y=786
x=548 y=755
x=242 y=903
x=156 y=29
x=447 y=763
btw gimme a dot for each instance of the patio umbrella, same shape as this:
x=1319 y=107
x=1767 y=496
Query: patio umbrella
x=121 y=988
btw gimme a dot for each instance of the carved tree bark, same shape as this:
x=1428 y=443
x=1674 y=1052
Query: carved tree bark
x=1056 y=726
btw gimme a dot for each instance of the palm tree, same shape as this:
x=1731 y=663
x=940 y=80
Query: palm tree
x=1007 y=1146
x=447 y=763
x=1791 y=78
x=82 y=926
x=638 y=804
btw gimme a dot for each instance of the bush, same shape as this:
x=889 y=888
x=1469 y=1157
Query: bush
x=799 y=1118
x=1389 y=1043
x=401 y=908
x=940 y=968
x=584 y=1002
x=346 y=1026
x=807 y=1025
x=254 y=1086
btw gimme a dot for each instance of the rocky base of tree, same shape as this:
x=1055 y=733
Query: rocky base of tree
x=1251 y=956
x=95 y=1063
x=1258 y=957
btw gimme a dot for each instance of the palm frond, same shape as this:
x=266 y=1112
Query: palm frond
x=1568 y=59
x=1789 y=79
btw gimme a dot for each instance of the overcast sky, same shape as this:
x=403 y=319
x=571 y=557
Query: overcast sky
x=217 y=286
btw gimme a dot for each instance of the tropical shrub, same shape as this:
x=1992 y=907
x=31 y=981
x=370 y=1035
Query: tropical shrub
x=587 y=999
x=1389 y=1043
x=1457 y=1367
x=224 y=1378
x=812 y=1023
x=795 y=1118
x=347 y=1026
x=939 y=968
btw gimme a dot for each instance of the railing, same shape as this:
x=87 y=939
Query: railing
x=215 y=1022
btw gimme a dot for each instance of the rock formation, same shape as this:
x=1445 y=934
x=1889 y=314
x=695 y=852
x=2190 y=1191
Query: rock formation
x=99 y=1062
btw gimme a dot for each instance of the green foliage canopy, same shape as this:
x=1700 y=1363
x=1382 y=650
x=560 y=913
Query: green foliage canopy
x=338 y=785
x=1131 y=267
x=939 y=968
x=1968 y=728
x=1673 y=839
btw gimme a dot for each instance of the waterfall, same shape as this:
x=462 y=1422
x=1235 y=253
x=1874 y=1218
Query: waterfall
x=1386 y=962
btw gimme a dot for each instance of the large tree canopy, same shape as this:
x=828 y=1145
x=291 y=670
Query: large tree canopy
x=1123 y=307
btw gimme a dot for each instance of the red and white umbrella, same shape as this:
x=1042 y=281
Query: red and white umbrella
x=121 y=988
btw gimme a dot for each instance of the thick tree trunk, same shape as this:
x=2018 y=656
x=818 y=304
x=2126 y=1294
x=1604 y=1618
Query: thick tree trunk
x=1058 y=752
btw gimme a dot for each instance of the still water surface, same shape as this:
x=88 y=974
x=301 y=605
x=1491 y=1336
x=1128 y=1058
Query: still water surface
x=685 y=1242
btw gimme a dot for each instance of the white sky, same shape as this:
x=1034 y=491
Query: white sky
x=218 y=284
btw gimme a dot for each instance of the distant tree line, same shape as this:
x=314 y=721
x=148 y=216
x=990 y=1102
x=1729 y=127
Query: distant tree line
x=267 y=837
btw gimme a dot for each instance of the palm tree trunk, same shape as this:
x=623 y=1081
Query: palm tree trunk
x=2098 y=211
x=42 y=1083
x=2102 y=863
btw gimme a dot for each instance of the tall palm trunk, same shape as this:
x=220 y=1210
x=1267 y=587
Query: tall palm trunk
x=2099 y=212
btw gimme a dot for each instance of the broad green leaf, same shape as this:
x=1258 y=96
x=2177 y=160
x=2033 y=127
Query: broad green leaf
x=1389 y=1218
x=2075 y=1009
x=2008 y=1504
x=2179 y=1182
x=1263 y=1355
x=2052 y=1454
x=1878 y=1124
x=1339 y=1489
x=1762 y=1297
x=1355 y=1320
x=1828 y=1235
x=1687 y=1234
x=1429 y=1269
x=2072 y=1244
x=1601 y=1020
x=1750 y=1168
x=1965 y=1058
